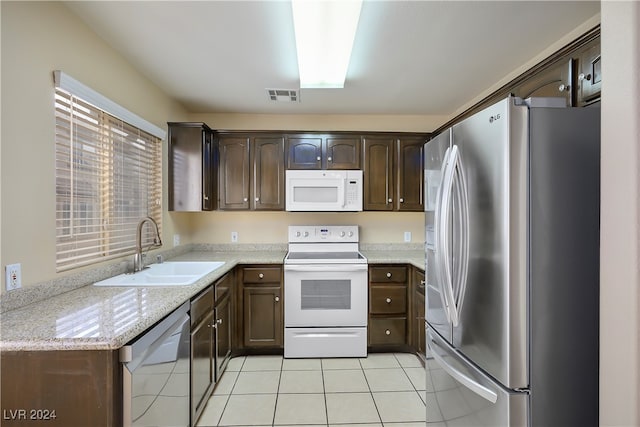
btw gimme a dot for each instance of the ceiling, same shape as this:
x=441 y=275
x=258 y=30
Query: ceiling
x=409 y=57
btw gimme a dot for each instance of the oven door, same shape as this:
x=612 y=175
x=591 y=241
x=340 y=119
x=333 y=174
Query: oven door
x=321 y=295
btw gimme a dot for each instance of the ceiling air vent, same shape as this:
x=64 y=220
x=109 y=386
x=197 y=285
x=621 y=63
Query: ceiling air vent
x=283 y=95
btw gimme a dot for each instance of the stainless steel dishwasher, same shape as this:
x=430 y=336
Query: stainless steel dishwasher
x=155 y=374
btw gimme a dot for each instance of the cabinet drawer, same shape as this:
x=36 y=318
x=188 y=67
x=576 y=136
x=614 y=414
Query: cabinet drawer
x=202 y=305
x=388 y=299
x=261 y=274
x=387 y=331
x=388 y=274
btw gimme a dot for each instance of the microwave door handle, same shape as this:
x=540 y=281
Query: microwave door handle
x=343 y=193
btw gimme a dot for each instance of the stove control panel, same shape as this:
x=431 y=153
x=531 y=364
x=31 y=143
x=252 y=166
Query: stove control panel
x=323 y=233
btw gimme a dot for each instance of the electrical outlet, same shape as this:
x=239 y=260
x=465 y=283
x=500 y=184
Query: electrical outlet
x=176 y=240
x=13 y=276
x=234 y=237
x=407 y=236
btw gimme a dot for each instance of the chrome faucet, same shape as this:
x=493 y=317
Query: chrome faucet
x=138 y=261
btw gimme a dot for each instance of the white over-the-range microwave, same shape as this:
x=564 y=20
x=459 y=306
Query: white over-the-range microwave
x=324 y=190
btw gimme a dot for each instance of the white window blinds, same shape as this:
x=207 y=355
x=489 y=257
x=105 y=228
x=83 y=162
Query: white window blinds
x=108 y=177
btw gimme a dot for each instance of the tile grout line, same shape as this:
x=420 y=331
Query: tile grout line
x=371 y=392
x=230 y=391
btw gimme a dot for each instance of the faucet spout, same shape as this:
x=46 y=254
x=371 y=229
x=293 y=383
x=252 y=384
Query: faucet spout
x=138 y=262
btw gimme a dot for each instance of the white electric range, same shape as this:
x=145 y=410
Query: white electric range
x=326 y=293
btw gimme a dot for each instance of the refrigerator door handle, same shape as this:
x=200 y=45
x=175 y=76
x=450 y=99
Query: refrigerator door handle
x=443 y=229
x=440 y=266
x=463 y=218
x=469 y=383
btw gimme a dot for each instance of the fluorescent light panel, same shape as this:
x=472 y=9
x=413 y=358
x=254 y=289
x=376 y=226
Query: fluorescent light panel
x=324 y=30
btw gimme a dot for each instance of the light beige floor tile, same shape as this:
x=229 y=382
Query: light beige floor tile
x=351 y=408
x=342 y=363
x=213 y=411
x=255 y=409
x=414 y=425
x=301 y=365
x=400 y=407
x=262 y=363
x=379 y=360
x=408 y=360
x=226 y=383
x=419 y=378
x=301 y=382
x=345 y=380
x=388 y=380
x=235 y=364
x=258 y=382
x=300 y=409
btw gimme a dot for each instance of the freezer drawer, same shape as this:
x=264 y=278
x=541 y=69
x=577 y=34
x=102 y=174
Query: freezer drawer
x=466 y=396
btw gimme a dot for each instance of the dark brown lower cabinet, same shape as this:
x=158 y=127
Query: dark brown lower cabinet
x=61 y=388
x=387 y=306
x=262 y=307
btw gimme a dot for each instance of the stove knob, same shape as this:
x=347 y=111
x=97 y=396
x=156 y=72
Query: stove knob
x=297 y=234
x=306 y=234
x=351 y=234
x=342 y=234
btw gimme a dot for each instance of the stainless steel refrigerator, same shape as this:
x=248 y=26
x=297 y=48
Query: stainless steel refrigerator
x=512 y=202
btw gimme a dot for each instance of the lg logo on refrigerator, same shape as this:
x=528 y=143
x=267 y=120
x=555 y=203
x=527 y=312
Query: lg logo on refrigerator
x=494 y=118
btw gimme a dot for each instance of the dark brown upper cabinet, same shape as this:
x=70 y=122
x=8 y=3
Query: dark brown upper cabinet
x=378 y=172
x=192 y=159
x=267 y=161
x=410 y=176
x=323 y=151
x=393 y=172
x=251 y=172
x=589 y=75
x=234 y=172
x=554 y=81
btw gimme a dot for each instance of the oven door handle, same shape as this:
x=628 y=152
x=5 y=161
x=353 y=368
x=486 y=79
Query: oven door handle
x=326 y=268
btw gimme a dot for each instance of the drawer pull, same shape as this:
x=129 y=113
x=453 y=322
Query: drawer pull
x=388 y=300
x=389 y=275
x=261 y=275
x=387 y=332
x=277 y=299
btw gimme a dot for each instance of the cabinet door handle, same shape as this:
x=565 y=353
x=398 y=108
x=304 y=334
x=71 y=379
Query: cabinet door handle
x=205 y=197
x=389 y=275
x=245 y=199
x=257 y=199
x=261 y=275
x=388 y=300
x=318 y=158
x=219 y=321
x=422 y=282
x=401 y=200
x=387 y=332
x=390 y=200
x=583 y=76
x=329 y=159
x=277 y=299
x=564 y=88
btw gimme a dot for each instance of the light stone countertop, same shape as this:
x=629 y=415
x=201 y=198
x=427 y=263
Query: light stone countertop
x=106 y=318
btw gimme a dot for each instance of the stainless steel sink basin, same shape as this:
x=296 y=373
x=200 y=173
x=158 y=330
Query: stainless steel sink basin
x=178 y=273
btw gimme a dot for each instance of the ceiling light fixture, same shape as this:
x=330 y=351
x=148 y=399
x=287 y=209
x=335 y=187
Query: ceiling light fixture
x=324 y=30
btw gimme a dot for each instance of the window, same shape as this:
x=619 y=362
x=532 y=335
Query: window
x=108 y=177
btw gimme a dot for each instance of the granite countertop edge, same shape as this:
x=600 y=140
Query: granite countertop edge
x=53 y=311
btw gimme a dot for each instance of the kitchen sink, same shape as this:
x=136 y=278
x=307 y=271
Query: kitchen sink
x=178 y=273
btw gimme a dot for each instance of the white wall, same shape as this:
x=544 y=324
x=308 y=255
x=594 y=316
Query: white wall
x=37 y=38
x=620 y=220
